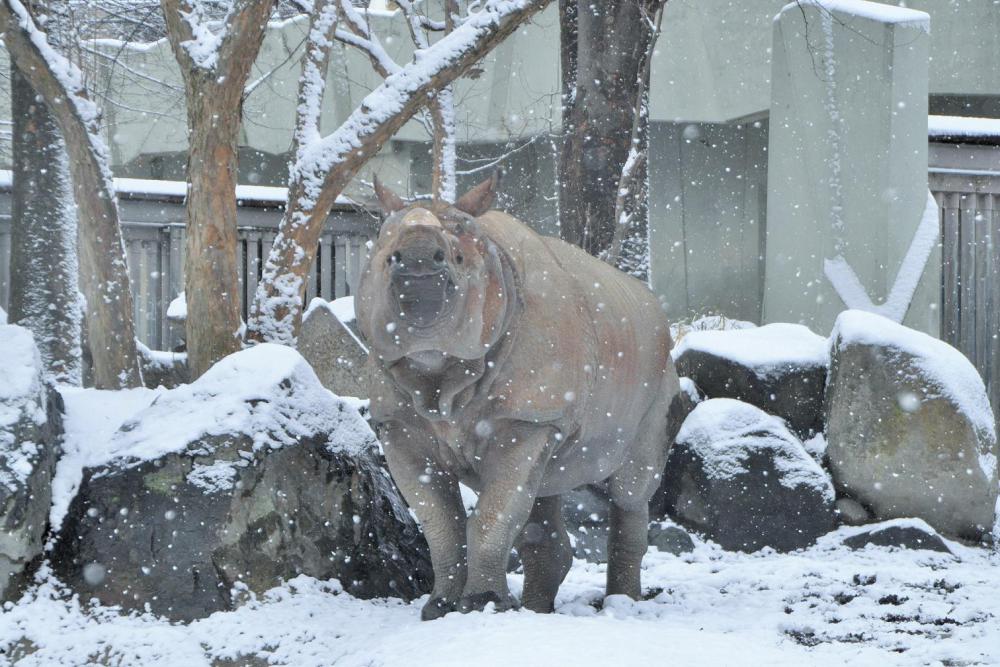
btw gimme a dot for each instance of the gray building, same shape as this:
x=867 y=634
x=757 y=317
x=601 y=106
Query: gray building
x=712 y=139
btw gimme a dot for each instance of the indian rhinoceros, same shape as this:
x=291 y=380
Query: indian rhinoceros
x=522 y=367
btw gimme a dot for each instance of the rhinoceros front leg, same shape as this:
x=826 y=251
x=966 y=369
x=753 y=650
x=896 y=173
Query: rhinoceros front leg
x=511 y=474
x=434 y=496
x=546 y=554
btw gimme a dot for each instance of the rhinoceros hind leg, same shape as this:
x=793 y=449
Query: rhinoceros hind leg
x=546 y=553
x=626 y=547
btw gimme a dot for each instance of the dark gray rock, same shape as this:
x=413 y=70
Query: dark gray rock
x=670 y=539
x=334 y=351
x=30 y=437
x=901 y=534
x=780 y=368
x=910 y=430
x=741 y=478
x=852 y=513
x=291 y=483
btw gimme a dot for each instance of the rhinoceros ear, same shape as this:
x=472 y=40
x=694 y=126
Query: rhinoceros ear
x=479 y=199
x=390 y=201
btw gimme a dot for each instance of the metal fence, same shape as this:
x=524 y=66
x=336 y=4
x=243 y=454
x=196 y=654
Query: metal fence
x=965 y=181
x=155 y=242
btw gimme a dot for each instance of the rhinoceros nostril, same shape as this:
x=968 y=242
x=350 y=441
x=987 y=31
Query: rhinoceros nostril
x=439 y=256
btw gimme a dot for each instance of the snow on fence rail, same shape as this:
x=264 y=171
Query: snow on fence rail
x=153 y=227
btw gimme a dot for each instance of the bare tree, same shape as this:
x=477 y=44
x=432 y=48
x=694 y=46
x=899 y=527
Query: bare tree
x=215 y=63
x=323 y=166
x=103 y=266
x=606 y=51
x=44 y=292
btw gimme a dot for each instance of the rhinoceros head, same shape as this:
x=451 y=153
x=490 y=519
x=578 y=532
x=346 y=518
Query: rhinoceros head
x=433 y=281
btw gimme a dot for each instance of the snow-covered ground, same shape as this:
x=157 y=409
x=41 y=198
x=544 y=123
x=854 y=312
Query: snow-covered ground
x=824 y=606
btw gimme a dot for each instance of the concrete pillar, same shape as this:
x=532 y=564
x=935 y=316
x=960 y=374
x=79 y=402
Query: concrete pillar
x=847 y=172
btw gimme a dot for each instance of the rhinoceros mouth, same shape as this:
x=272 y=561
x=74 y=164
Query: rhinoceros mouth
x=424 y=299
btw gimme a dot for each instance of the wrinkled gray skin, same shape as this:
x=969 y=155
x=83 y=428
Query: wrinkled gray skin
x=522 y=367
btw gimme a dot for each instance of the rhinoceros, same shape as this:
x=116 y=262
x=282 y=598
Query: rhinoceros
x=522 y=367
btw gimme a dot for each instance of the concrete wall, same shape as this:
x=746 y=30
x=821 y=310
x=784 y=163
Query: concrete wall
x=707 y=205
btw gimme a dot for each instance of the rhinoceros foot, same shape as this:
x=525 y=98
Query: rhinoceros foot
x=437 y=607
x=478 y=602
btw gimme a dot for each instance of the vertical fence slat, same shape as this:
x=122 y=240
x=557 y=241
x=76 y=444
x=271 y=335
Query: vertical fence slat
x=949 y=269
x=5 y=264
x=326 y=267
x=983 y=279
x=340 y=266
x=967 y=287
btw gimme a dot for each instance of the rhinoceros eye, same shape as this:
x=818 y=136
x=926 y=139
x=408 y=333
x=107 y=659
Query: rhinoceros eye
x=394 y=258
x=459 y=259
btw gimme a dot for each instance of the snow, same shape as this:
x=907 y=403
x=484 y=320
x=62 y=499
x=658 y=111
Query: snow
x=136 y=187
x=826 y=605
x=945 y=370
x=874 y=11
x=723 y=432
x=342 y=308
x=766 y=349
x=962 y=126
x=178 y=310
x=20 y=389
x=19 y=370
x=91 y=420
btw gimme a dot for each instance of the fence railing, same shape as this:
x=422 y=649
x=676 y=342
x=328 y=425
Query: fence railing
x=156 y=260
x=154 y=236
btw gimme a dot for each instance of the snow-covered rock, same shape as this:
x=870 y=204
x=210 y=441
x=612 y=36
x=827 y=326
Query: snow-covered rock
x=780 y=368
x=30 y=431
x=333 y=350
x=912 y=534
x=163 y=369
x=228 y=486
x=909 y=427
x=743 y=479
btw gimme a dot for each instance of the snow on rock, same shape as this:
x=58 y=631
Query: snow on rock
x=780 y=368
x=211 y=491
x=742 y=478
x=894 y=534
x=30 y=429
x=3 y=316
x=909 y=426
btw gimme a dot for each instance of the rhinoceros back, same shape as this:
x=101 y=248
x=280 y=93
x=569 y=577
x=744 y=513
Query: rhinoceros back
x=602 y=331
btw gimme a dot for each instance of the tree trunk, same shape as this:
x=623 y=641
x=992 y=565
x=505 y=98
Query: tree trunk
x=211 y=282
x=604 y=47
x=215 y=72
x=44 y=292
x=103 y=266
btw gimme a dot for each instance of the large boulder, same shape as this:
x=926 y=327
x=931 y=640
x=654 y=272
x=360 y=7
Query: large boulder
x=910 y=430
x=30 y=433
x=740 y=477
x=332 y=348
x=249 y=476
x=780 y=368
